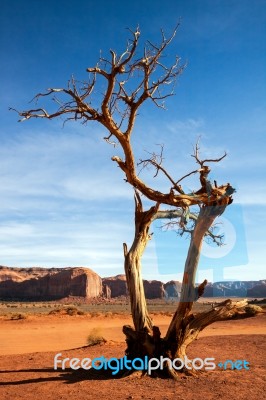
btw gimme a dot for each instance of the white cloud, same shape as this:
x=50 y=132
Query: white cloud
x=191 y=125
x=251 y=193
x=64 y=203
x=65 y=243
x=49 y=167
x=96 y=187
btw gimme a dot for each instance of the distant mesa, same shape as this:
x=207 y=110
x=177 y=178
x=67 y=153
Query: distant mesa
x=259 y=290
x=116 y=286
x=59 y=283
x=236 y=289
x=44 y=284
x=48 y=284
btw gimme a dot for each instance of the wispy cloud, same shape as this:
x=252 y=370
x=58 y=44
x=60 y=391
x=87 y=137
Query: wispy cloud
x=251 y=194
x=55 y=167
x=64 y=243
x=61 y=205
x=188 y=125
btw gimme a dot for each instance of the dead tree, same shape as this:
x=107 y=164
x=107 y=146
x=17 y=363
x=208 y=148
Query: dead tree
x=130 y=79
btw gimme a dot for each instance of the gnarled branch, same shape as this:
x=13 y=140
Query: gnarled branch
x=130 y=79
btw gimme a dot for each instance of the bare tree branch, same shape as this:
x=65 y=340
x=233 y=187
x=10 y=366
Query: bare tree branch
x=207 y=160
x=179 y=220
x=129 y=80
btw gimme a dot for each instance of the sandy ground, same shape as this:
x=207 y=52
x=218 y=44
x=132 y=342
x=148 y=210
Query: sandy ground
x=28 y=348
x=53 y=333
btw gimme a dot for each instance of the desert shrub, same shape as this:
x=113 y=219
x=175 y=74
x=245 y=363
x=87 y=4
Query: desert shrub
x=68 y=311
x=54 y=312
x=96 y=314
x=15 y=316
x=95 y=337
x=165 y=313
x=72 y=311
x=108 y=314
x=57 y=311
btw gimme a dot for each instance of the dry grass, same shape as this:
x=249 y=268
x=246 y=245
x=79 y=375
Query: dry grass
x=95 y=337
x=16 y=316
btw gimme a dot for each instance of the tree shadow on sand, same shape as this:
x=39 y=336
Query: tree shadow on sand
x=67 y=375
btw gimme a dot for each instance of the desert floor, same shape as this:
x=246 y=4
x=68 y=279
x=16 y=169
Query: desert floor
x=28 y=347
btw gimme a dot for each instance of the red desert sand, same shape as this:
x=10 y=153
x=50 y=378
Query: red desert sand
x=28 y=347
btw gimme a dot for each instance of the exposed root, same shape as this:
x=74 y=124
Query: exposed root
x=172 y=373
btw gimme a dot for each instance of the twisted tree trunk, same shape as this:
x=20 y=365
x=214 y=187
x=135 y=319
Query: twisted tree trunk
x=138 y=339
x=189 y=293
x=145 y=338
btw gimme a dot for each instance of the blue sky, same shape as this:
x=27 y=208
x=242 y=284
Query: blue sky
x=63 y=201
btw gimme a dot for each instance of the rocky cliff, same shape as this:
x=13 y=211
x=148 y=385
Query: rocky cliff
x=236 y=289
x=48 y=284
x=259 y=290
x=172 y=289
x=116 y=286
x=56 y=283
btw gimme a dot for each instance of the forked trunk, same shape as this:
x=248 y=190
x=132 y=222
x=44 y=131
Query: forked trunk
x=145 y=339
